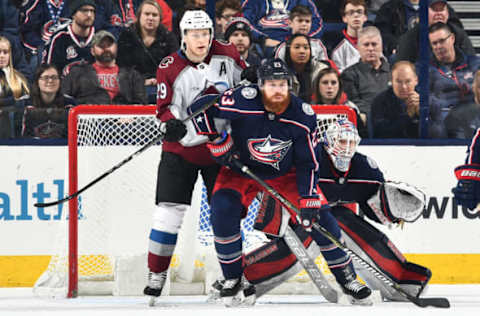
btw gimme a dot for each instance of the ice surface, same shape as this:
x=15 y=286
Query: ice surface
x=465 y=300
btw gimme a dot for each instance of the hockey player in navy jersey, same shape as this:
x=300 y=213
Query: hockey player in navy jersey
x=201 y=64
x=274 y=133
x=467 y=191
x=347 y=177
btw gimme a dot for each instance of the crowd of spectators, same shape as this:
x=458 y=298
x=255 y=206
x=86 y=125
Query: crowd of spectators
x=55 y=54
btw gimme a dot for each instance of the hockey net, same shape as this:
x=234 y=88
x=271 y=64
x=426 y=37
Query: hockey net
x=102 y=241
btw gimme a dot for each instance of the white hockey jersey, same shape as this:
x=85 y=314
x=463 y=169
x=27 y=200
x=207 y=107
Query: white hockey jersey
x=179 y=82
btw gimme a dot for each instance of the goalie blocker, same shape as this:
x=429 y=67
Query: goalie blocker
x=273 y=263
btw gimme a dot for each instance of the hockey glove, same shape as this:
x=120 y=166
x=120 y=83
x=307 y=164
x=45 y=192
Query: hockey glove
x=173 y=129
x=467 y=191
x=250 y=74
x=309 y=208
x=223 y=150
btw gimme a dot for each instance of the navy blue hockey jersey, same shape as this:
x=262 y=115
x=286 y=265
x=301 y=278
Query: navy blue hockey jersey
x=358 y=184
x=270 y=145
x=473 y=154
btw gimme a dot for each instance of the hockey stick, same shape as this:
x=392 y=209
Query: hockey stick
x=422 y=302
x=124 y=161
x=317 y=276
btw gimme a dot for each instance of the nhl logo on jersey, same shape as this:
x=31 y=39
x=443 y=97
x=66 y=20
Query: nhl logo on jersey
x=249 y=92
x=269 y=151
x=307 y=108
x=71 y=52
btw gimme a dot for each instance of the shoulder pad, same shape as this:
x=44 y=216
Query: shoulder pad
x=249 y=92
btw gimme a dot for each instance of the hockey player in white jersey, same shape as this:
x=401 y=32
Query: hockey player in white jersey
x=201 y=64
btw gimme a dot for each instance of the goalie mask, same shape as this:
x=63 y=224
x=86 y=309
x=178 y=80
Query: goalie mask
x=340 y=141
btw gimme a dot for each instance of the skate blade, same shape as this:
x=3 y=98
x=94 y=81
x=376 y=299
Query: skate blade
x=374 y=298
x=152 y=301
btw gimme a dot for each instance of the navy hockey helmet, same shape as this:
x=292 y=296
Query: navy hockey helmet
x=273 y=69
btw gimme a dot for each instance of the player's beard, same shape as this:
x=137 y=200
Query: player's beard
x=276 y=106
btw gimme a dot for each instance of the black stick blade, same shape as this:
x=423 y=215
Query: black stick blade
x=439 y=302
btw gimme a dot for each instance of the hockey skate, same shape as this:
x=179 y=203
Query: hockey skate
x=233 y=292
x=155 y=286
x=357 y=292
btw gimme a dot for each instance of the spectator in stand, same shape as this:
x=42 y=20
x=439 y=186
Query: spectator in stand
x=463 y=121
x=125 y=13
x=299 y=60
x=71 y=46
x=144 y=44
x=373 y=7
x=438 y=11
x=330 y=9
x=395 y=111
x=46 y=111
x=342 y=46
x=13 y=88
x=270 y=21
x=300 y=23
x=451 y=76
x=225 y=11
x=42 y=19
x=394 y=19
x=329 y=89
x=238 y=33
x=9 y=28
x=104 y=82
x=365 y=79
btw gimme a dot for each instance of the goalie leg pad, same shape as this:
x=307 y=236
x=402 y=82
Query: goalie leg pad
x=375 y=247
x=273 y=263
x=272 y=218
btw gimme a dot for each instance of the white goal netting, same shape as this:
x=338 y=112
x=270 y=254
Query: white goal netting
x=102 y=248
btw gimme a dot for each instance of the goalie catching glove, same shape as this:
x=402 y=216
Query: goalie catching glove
x=395 y=202
x=173 y=130
x=467 y=191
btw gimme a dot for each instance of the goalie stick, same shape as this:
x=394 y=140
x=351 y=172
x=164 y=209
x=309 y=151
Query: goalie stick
x=317 y=276
x=124 y=161
x=421 y=302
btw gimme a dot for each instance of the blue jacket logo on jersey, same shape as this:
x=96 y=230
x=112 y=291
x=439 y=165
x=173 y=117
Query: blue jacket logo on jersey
x=269 y=151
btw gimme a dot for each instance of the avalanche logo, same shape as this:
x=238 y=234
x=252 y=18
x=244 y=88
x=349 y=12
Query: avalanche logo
x=269 y=151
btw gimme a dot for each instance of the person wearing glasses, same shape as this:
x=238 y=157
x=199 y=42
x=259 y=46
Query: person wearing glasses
x=451 y=74
x=438 y=11
x=46 y=110
x=71 y=46
x=342 y=45
x=225 y=11
x=13 y=88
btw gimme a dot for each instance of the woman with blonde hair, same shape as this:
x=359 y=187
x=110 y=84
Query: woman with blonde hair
x=13 y=87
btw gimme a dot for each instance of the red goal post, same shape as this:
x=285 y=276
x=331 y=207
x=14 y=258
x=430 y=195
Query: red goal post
x=99 y=136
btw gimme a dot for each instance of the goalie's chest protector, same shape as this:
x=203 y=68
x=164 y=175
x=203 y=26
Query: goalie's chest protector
x=358 y=184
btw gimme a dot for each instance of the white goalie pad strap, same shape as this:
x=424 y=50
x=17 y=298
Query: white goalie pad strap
x=395 y=201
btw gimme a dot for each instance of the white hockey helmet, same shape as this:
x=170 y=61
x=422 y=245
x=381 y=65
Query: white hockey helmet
x=195 y=20
x=340 y=140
